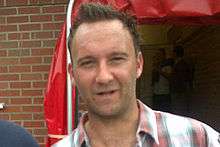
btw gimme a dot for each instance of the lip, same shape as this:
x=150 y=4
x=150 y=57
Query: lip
x=107 y=92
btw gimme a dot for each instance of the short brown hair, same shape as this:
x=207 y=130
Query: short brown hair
x=93 y=12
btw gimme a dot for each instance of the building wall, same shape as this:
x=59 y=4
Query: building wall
x=28 y=31
x=205 y=51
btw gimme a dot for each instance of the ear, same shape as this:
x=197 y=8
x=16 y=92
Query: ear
x=139 y=64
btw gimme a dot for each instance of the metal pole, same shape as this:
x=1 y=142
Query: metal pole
x=69 y=83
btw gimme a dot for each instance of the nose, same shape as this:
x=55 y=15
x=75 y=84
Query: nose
x=104 y=74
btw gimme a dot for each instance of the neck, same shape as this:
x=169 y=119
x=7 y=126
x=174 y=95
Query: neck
x=123 y=127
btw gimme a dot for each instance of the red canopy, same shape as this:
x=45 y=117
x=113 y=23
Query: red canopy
x=166 y=11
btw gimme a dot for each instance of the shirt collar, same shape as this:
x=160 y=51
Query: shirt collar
x=82 y=133
x=147 y=124
x=147 y=121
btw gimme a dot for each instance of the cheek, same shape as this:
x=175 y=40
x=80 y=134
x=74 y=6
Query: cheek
x=83 y=81
x=126 y=74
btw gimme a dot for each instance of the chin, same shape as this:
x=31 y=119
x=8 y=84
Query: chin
x=109 y=112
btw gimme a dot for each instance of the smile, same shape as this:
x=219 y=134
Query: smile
x=106 y=93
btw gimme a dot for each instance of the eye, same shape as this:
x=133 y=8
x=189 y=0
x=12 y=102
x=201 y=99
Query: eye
x=117 y=59
x=86 y=63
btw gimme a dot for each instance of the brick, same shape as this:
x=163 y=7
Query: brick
x=9 y=92
x=4 y=85
x=41 y=35
x=8 y=11
x=41 y=84
x=41 y=140
x=34 y=124
x=8 y=28
x=60 y=17
x=32 y=109
x=42 y=145
x=40 y=132
x=18 y=36
x=60 y=2
x=56 y=33
x=29 y=27
x=3 y=69
x=20 y=69
x=52 y=26
x=42 y=51
x=29 y=10
x=46 y=76
x=32 y=76
x=1 y=3
x=41 y=18
x=2 y=37
x=8 y=77
x=17 y=19
x=4 y=116
x=38 y=100
x=4 y=100
x=47 y=59
x=8 y=45
x=2 y=20
x=31 y=60
x=12 y=109
x=13 y=36
x=3 y=53
x=21 y=101
x=31 y=92
x=27 y=44
x=38 y=116
x=16 y=3
x=49 y=43
x=19 y=52
x=45 y=1
x=53 y=9
x=40 y=68
x=40 y=1
x=8 y=61
x=21 y=116
x=20 y=84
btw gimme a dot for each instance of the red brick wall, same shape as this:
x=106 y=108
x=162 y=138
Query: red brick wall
x=28 y=31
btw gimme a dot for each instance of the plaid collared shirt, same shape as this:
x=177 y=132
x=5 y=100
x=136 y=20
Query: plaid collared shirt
x=156 y=129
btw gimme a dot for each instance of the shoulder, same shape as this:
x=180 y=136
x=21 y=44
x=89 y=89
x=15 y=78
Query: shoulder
x=15 y=135
x=72 y=140
x=66 y=141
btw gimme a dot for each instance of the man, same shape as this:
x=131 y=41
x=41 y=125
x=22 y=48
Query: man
x=182 y=82
x=161 y=73
x=106 y=63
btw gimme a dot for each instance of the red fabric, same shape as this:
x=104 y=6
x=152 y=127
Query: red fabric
x=166 y=11
x=55 y=102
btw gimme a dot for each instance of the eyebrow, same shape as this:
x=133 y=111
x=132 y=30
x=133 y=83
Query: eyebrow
x=112 y=54
x=85 y=58
x=119 y=54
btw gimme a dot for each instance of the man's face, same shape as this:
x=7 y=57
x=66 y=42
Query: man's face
x=106 y=67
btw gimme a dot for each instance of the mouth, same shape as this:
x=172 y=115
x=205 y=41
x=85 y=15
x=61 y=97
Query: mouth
x=103 y=93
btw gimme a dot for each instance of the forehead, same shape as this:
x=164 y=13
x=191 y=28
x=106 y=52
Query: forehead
x=100 y=28
x=107 y=33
